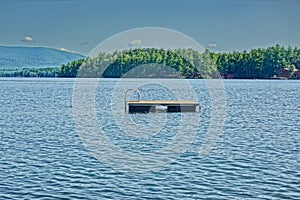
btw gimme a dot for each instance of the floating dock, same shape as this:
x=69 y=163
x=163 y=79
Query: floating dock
x=171 y=106
x=145 y=106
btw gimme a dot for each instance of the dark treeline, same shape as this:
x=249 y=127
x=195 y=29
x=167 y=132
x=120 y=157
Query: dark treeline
x=187 y=63
x=42 y=72
x=258 y=63
x=147 y=62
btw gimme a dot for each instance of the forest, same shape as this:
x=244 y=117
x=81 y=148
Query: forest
x=259 y=63
x=25 y=72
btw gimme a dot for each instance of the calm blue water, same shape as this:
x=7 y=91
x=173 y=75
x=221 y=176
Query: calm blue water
x=255 y=157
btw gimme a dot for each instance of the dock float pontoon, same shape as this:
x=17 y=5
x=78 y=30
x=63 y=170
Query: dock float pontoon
x=145 y=106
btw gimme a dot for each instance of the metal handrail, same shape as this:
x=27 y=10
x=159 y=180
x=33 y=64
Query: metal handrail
x=125 y=97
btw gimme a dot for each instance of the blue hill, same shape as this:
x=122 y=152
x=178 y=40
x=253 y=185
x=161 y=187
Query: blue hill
x=19 y=57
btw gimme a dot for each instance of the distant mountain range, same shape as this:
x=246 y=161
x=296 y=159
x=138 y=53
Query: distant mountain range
x=20 y=57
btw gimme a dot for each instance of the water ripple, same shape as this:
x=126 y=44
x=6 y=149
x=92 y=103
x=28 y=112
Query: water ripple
x=256 y=156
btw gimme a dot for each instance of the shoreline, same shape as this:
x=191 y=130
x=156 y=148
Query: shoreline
x=32 y=77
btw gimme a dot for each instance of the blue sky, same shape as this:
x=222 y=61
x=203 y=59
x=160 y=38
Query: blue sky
x=79 y=25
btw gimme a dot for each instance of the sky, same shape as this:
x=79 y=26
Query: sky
x=80 y=25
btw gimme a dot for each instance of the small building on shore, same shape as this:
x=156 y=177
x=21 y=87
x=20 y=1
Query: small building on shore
x=284 y=72
x=296 y=74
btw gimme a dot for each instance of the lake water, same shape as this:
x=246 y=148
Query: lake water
x=44 y=156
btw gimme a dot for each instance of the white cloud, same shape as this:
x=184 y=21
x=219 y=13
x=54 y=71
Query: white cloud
x=135 y=43
x=63 y=49
x=212 y=45
x=28 y=39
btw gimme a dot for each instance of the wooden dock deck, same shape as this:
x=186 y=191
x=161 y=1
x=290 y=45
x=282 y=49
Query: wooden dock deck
x=172 y=106
x=145 y=106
